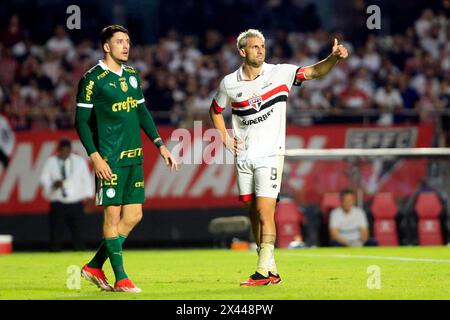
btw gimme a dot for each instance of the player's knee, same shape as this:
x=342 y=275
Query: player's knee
x=133 y=220
x=110 y=228
x=111 y=222
x=137 y=218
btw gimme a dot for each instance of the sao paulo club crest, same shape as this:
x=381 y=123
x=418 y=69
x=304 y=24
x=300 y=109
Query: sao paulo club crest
x=255 y=102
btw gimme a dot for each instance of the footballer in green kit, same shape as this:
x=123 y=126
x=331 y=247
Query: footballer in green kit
x=109 y=115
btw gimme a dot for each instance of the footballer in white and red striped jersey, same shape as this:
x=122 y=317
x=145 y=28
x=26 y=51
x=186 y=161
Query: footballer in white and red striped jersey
x=259 y=108
x=257 y=93
x=259 y=122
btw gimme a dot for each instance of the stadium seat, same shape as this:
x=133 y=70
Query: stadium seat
x=288 y=218
x=329 y=202
x=384 y=211
x=428 y=208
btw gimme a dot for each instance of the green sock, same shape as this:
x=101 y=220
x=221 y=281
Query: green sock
x=122 y=239
x=114 y=249
x=101 y=255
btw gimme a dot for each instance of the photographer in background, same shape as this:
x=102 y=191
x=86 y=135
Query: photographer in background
x=67 y=183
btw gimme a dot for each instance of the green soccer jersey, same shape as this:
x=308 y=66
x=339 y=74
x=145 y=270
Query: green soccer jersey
x=110 y=113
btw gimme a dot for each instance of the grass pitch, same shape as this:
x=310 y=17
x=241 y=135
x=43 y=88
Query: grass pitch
x=322 y=273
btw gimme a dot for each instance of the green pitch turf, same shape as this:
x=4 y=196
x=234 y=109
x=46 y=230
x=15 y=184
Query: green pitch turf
x=322 y=273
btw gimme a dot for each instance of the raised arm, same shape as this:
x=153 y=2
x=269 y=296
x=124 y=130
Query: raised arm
x=321 y=68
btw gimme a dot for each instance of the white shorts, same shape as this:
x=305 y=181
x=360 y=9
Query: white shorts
x=260 y=177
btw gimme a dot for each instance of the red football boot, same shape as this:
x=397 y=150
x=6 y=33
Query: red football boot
x=126 y=285
x=274 y=278
x=256 y=279
x=97 y=277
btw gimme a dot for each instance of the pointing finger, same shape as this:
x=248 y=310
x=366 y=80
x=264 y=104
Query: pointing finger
x=335 y=42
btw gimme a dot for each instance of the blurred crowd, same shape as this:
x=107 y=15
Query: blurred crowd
x=387 y=79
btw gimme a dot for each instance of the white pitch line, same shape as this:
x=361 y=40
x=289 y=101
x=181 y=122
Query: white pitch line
x=349 y=256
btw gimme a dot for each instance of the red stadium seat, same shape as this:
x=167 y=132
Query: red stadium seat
x=428 y=208
x=329 y=202
x=288 y=218
x=384 y=211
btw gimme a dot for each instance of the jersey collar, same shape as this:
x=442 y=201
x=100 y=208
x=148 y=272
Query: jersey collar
x=240 y=74
x=105 y=67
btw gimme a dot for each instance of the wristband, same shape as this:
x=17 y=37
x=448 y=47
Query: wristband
x=159 y=143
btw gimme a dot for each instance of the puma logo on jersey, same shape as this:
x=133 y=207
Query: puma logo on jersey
x=113 y=84
x=126 y=105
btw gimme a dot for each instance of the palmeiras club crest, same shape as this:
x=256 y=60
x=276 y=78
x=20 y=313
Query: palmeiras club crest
x=123 y=84
x=255 y=102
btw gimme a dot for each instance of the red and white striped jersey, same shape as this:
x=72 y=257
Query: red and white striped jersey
x=258 y=108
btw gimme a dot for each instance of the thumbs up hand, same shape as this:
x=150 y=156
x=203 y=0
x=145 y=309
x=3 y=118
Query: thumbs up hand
x=339 y=51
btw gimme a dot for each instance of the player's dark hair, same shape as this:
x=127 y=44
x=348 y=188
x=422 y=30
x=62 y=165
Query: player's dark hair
x=64 y=142
x=108 y=32
x=345 y=192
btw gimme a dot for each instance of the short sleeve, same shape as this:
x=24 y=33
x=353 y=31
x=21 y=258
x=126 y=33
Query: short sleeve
x=334 y=219
x=290 y=75
x=86 y=93
x=362 y=219
x=221 y=99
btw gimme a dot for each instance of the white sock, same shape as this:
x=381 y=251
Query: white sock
x=272 y=265
x=265 y=257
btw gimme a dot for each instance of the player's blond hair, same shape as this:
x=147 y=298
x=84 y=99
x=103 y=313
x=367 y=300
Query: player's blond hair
x=250 y=33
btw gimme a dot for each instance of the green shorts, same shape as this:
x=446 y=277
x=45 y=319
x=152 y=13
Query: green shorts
x=125 y=187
